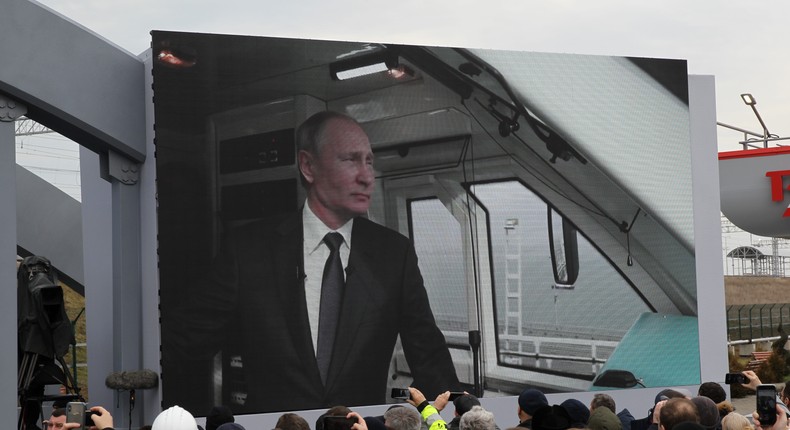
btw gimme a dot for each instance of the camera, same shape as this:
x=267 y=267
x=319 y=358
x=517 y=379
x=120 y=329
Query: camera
x=766 y=404
x=735 y=378
x=400 y=393
x=77 y=412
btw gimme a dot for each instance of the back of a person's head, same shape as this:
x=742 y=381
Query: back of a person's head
x=230 y=426
x=530 y=400
x=708 y=412
x=713 y=391
x=477 y=418
x=291 y=421
x=669 y=393
x=725 y=408
x=735 y=421
x=217 y=416
x=402 y=419
x=676 y=411
x=174 y=418
x=338 y=411
x=604 y=419
x=465 y=403
x=604 y=400
x=553 y=417
x=689 y=425
x=334 y=411
x=578 y=412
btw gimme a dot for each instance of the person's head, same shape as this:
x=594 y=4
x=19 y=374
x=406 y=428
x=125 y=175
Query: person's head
x=477 y=418
x=676 y=411
x=464 y=404
x=736 y=422
x=402 y=419
x=669 y=393
x=290 y=421
x=708 y=412
x=336 y=163
x=577 y=411
x=553 y=417
x=334 y=411
x=666 y=394
x=230 y=426
x=217 y=416
x=604 y=419
x=725 y=408
x=604 y=400
x=56 y=419
x=529 y=402
x=785 y=394
x=713 y=391
x=174 y=418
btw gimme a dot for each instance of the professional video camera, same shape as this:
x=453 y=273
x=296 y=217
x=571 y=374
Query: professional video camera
x=44 y=334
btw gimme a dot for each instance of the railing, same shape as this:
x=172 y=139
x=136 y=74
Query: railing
x=757 y=321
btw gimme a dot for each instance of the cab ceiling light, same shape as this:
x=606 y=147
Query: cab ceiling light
x=363 y=65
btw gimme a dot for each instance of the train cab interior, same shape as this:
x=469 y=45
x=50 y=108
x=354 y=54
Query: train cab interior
x=548 y=196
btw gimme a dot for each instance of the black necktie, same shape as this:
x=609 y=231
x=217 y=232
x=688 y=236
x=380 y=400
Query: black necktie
x=331 y=296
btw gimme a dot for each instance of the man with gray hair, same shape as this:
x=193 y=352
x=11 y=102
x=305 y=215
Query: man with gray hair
x=400 y=418
x=478 y=419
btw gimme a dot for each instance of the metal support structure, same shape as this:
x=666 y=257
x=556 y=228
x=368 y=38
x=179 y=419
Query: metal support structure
x=122 y=169
x=112 y=277
x=127 y=283
x=97 y=249
x=513 y=280
x=27 y=127
x=9 y=111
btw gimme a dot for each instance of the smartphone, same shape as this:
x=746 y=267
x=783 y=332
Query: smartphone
x=735 y=378
x=455 y=394
x=338 y=423
x=400 y=393
x=766 y=404
x=77 y=412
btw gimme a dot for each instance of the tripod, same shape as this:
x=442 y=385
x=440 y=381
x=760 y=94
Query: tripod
x=35 y=372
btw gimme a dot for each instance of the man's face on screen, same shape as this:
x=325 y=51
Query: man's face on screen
x=341 y=173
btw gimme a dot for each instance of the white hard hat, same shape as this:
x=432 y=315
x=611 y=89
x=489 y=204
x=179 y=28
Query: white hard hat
x=174 y=418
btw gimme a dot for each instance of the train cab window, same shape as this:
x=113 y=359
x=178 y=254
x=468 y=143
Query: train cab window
x=550 y=282
x=437 y=240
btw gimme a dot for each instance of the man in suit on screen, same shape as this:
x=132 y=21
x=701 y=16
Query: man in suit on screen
x=320 y=297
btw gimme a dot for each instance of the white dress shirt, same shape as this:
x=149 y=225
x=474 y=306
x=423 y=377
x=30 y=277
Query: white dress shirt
x=315 y=253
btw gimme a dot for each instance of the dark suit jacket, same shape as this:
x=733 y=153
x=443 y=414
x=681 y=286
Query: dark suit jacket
x=259 y=285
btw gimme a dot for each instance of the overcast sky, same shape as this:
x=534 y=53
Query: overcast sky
x=743 y=44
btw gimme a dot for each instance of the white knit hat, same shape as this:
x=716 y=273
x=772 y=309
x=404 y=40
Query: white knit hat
x=174 y=418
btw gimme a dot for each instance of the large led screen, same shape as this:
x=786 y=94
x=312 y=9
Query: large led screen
x=506 y=220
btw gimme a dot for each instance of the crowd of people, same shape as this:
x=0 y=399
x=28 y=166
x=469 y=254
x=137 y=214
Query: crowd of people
x=673 y=409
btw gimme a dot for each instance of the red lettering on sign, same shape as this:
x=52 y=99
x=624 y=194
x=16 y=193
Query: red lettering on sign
x=777 y=190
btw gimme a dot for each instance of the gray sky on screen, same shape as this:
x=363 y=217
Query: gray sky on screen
x=743 y=44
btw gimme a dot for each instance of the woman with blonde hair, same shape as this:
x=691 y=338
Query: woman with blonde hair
x=736 y=421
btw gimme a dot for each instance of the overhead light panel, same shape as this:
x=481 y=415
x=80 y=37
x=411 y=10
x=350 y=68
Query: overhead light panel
x=363 y=65
x=342 y=75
